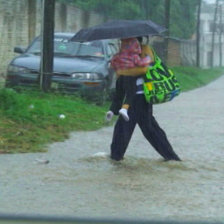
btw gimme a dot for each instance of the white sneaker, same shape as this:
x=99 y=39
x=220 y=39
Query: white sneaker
x=124 y=113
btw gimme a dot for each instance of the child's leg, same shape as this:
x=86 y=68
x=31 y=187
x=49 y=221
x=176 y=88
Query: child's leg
x=124 y=113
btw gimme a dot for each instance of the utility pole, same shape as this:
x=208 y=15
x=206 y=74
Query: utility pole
x=47 y=44
x=167 y=26
x=220 y=33
x=198 y=35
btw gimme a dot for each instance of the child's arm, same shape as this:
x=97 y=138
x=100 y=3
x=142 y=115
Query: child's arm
x=147 y=56
x=142 y=61
x=132 y=71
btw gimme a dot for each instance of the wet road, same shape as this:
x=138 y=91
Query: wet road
x=79 y=180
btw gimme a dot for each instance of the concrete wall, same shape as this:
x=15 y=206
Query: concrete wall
x=13 y=29
x=18 y=26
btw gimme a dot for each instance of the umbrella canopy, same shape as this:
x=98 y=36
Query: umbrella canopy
x=119 y=29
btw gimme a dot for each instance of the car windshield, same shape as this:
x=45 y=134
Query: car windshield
x=66 y=48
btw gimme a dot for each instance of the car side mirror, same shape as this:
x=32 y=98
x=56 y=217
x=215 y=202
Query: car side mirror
x=19 y=50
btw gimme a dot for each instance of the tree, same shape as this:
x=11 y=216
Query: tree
x=182 y=12
x=182 y=18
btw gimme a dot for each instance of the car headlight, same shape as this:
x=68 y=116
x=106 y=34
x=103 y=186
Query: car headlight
x=13 y=68
x=85 y=76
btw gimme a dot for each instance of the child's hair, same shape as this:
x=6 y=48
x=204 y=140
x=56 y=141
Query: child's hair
x=140 y=39
x=143 y=40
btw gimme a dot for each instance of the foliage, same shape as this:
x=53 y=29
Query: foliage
x=183 y=18
x=182 y=12
x=193 y=77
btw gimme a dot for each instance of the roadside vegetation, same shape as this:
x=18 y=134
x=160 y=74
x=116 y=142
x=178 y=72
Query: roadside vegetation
x=31 y=120
x=192 y=77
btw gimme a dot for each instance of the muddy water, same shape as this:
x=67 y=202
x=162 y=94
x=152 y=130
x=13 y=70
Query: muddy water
x=80 y=179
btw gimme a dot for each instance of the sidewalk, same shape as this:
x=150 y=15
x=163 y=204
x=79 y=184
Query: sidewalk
x=81 y=181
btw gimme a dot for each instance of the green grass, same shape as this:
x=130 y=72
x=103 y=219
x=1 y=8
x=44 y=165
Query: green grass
x=30 y=120
x=191 y=77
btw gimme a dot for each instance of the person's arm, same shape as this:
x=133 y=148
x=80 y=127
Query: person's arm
x=141 y=61
x=132 y=71
x=118 y=96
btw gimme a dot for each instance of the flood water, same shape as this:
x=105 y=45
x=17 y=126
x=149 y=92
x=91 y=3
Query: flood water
x=81 y=180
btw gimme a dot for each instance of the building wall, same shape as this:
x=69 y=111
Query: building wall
x=13 y=29
x=206 y=49
x=14 y=25
x=188 y=52
x=207 y=25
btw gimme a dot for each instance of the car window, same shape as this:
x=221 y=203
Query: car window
x=93 y=48
x=65 y=47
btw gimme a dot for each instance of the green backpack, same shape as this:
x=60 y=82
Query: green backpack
x=160 y=84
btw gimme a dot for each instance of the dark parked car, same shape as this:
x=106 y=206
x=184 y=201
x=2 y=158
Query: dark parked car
x=78 y=67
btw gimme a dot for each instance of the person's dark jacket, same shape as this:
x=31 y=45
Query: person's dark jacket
x=118 y=96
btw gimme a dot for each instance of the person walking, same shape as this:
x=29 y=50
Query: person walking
x=129 y=57
x=140 y=113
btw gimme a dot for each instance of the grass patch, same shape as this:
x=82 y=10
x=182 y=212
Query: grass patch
x=192 y=77
x=30 y=120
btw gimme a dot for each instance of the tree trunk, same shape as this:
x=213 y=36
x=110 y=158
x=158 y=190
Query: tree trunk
x=214 y=31
x=198 y=35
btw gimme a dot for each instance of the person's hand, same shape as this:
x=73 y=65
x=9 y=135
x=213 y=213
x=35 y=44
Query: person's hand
x=109 y=115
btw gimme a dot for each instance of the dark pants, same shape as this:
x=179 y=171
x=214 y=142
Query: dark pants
x=140 y=113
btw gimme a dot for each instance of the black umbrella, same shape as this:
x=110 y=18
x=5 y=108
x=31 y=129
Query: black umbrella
x=119 y=29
